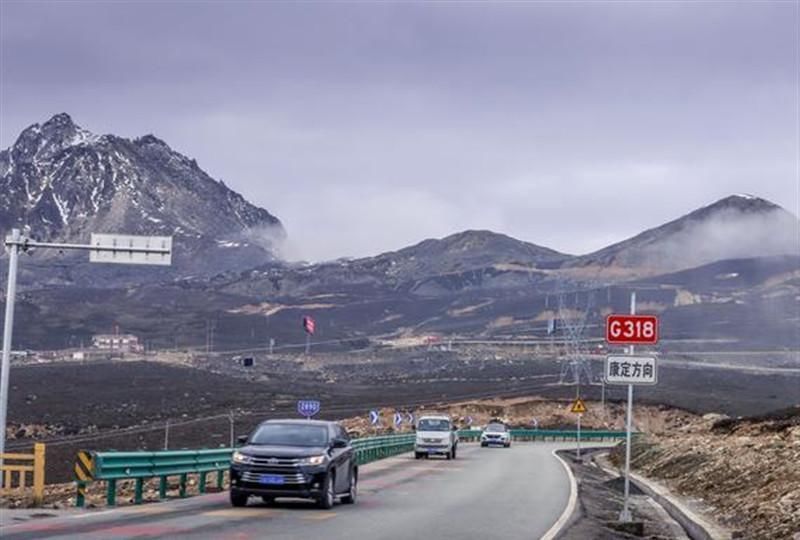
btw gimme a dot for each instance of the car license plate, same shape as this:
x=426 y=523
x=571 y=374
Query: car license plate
x=271 y=479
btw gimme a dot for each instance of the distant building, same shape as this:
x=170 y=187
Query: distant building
x=117 y=342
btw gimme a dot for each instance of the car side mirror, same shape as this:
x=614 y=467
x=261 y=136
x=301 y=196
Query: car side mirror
x=339 y=443
x=242 y=439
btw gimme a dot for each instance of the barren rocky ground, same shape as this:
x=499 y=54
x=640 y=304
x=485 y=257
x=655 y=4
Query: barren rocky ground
x=126 y=405
x=745 y=469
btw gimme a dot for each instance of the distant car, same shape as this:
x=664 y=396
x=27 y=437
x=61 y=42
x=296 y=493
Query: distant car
x=436 y=435
x=496 y=433
x=295 y=458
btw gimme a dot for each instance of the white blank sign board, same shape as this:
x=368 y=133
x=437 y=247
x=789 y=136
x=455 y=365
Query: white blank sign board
x=125 y=249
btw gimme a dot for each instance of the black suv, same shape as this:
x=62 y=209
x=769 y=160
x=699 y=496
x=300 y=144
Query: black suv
x=295 y=458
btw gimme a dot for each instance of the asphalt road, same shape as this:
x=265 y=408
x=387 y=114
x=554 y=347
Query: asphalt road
x=485 y=493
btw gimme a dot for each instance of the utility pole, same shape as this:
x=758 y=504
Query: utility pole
x=166 y=436
x=231 y=418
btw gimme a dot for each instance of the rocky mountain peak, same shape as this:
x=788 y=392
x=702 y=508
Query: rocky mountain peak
x=737 y=226
x=65 y=182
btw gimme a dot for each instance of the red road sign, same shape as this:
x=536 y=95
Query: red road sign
x=632 y=329
x=308 y=324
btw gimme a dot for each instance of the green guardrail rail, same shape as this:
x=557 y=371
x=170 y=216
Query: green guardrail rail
x=374 y=448
x=141 y=466
x=548 y=434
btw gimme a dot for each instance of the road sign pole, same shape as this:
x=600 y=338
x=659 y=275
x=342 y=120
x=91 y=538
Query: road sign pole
x=308 y=343
x=131 y=252
x=579 y=436
x=11 y=292
x=625 y=516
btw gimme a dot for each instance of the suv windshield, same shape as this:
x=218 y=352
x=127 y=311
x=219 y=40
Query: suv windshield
x=433 y=424
x=496 y=428
x=290 y=435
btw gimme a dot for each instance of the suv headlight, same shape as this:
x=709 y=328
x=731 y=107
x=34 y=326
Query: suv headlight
x=315 y=460
x=238 y=457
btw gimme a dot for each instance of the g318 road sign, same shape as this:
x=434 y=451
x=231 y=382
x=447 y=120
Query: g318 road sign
x=632 y=329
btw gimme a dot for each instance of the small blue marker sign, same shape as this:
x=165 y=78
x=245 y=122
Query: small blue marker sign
x=308 y=407
x=374 y=417
x=398 y=419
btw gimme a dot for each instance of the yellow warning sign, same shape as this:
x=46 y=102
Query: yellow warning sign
x=578 y=406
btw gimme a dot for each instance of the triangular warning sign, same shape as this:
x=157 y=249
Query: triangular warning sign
x=578 y=406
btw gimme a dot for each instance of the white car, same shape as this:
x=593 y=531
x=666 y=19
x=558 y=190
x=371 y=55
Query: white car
x=436 y=435
x=496 y=433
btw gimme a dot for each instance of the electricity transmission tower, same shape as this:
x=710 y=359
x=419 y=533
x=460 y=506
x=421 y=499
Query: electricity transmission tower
x=574 y=312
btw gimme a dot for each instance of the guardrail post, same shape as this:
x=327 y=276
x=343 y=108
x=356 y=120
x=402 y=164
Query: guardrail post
x=80 y=497
x=220 y=479
x=183 y=485
x=38 y=473
x=111 y=492
x=137 y=491
x=162 y=487
x=201 y=485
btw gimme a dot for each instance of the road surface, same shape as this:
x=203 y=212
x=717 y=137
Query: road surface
x=512 y=493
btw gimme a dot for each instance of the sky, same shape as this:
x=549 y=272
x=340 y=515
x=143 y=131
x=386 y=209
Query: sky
x=366 y=127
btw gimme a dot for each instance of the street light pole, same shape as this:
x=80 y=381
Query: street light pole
x=11 y=291
x=103 y=249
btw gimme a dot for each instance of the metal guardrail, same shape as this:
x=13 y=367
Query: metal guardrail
x=23 y=464
x=374 y=448
x=547 y=434
x=141 y=466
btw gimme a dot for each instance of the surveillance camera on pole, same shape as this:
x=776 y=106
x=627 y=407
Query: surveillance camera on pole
x=104 y=248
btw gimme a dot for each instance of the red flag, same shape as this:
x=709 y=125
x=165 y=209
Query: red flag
x=309 y=324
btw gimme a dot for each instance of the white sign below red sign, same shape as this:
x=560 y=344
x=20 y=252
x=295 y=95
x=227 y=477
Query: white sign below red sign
x=638 y=370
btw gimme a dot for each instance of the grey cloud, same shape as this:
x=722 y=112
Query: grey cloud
x=367 y=127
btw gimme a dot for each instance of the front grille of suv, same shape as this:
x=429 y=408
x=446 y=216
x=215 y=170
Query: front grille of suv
x=288 y=479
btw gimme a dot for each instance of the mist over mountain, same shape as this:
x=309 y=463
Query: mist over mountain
x=64 y=182
x=738 y=226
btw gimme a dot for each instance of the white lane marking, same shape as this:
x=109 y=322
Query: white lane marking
x=573 y=499
x=92 y=514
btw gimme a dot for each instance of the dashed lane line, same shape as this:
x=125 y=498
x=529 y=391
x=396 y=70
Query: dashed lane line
x=242 y=513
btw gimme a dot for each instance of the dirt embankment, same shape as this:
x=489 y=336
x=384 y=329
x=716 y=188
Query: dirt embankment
x=746 y=470
x=548 y=414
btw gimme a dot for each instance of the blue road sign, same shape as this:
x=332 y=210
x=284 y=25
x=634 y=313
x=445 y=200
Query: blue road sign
x=469 y=420
x=374 y=417
x=398 y=419
x=308 y=407
x=410 y=418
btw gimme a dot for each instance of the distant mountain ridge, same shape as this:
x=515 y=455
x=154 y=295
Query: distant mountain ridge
x=65 y=182
x=737 y=226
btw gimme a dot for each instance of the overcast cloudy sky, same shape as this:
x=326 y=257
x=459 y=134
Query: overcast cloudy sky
x=369 y=126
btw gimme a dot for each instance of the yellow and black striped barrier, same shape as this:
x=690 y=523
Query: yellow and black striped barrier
x=84 y=473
